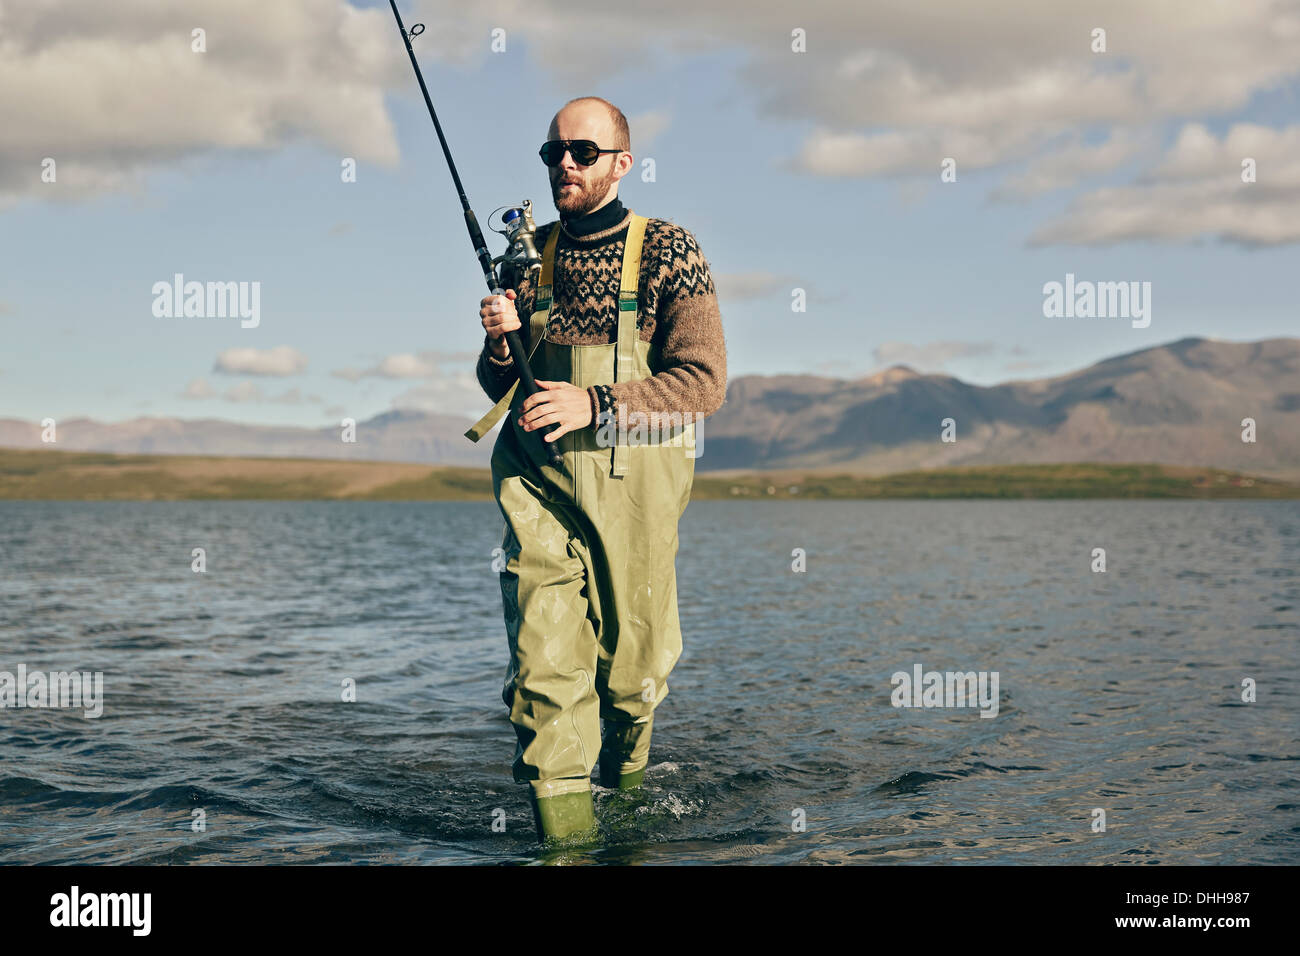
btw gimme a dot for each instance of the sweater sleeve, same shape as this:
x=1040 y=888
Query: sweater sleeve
x=494 y=375
x=693 y=377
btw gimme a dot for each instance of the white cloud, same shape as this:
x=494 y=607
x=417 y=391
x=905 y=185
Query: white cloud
x=403 y=365
x=909 y=152
x=111 y=90
x=883 y=90
x=934 y=355
x=739 y=286
x=1197 y=192
x=1196 y=155
x=891 y=90
x=457 y=394
x=199 y=389
x=446 y=381
x=1001 y=78
x=645 y=128
x=281 y=360
x=1064 y=166
x=243 y=392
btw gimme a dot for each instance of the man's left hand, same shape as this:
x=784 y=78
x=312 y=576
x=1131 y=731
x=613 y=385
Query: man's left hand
x=558 y=403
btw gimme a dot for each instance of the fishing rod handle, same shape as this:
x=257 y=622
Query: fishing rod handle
x=529 y=384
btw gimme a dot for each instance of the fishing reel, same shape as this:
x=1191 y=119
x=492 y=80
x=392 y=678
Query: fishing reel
x=516 y=224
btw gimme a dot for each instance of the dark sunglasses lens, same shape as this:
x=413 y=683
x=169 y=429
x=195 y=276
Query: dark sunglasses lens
x=584 y=152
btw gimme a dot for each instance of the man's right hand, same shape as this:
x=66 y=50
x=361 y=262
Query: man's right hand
x=499 y=317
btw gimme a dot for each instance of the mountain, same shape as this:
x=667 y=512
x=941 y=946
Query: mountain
x=401 y=435
x=1175 y=404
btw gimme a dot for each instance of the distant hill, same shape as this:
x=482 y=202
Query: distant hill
x=401 y=436
x=1177 y=404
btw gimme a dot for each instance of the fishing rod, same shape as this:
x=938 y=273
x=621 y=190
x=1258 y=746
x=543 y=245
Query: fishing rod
x=519 y=229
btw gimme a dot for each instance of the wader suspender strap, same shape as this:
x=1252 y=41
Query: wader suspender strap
x=625 y=353
x=536 y=330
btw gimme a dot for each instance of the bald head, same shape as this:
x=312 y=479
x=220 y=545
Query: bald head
x=598 y=116
x=579 y=189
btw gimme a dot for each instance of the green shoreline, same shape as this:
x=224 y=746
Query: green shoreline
x=50 y=475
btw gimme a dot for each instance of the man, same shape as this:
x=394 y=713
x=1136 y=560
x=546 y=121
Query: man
x=623 y=322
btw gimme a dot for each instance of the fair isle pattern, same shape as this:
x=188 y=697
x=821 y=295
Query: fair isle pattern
x=677 y=314
x=586 y=280
x=603 y=396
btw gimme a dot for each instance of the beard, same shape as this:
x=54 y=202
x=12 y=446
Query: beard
x=580 y=201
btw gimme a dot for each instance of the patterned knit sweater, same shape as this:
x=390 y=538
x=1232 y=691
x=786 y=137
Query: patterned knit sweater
x=677 y=310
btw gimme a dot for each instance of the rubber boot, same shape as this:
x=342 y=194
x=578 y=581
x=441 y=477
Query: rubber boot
x=620 y=781
x=624 y=743
x=564 y=816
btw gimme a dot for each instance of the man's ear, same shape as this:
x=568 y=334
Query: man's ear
x=631 y=160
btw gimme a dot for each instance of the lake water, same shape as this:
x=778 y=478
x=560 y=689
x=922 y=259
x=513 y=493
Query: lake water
x=1118 y=691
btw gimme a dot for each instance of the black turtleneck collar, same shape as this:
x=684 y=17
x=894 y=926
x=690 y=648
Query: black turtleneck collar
x=606 y=217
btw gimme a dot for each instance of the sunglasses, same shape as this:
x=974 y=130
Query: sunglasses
x=583 y=151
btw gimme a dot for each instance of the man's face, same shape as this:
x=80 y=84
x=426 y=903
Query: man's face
x=577 y=189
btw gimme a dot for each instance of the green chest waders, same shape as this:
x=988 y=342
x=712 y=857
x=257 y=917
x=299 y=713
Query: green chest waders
x=590 y=588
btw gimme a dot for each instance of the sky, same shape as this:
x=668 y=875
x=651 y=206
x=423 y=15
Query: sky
x=803 y=144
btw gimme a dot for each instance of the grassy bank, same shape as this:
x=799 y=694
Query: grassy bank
x=1007 y=481
x=91 y=476
x=94 y=476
